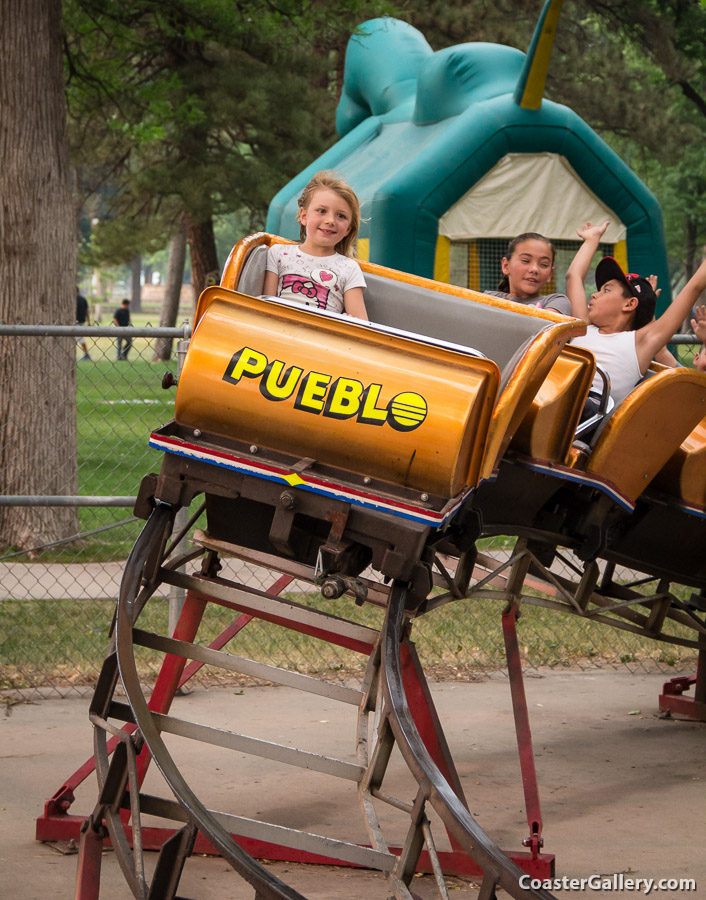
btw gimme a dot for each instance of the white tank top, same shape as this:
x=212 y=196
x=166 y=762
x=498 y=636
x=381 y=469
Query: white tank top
x=615 y=354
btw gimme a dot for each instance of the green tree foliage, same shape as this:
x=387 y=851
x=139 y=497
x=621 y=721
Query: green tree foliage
x=670 y=33
x=667 y=39
x=199 y=108
x=635 y=70
x=195 y=108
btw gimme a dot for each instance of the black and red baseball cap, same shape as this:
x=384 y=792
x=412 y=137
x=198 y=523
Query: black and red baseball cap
x=608 y=269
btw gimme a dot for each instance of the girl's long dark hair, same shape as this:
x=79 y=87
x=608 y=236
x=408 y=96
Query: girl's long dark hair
x=504 y=284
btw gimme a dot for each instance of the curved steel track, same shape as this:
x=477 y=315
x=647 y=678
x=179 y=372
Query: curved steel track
x=126 y=807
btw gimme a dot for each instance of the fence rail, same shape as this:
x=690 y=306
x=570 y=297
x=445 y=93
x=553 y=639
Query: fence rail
x=95 y=331
x=183 y=333
x=57 y=600
x=64 y=500
x=684 y=339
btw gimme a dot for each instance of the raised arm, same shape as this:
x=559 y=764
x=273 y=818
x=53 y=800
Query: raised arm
x=662 y=356
x=657 y=333
x=576 y=275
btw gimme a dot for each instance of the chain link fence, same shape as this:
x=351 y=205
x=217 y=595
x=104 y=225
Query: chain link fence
x=57 y=599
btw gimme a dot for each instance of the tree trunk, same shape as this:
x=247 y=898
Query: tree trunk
x=690 y=248
x=172 y=293
x=204 y=259
x=135 y=284
x=37 y=276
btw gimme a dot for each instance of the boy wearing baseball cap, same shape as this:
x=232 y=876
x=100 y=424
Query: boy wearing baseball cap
x=622 y=332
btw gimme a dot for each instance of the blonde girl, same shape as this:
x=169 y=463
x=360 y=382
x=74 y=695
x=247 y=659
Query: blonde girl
x=319 y=271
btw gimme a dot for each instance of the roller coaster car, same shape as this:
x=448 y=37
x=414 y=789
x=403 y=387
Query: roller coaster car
x=668 y=527
x=323 y=445
x=344 y=444
x=634 y=496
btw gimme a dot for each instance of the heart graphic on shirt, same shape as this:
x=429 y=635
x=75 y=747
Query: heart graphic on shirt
x=323 y=276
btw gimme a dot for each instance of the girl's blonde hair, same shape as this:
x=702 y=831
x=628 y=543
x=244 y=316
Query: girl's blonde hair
x=330 y=181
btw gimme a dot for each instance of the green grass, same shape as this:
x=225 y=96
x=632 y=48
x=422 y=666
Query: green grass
x=118 y=405
x=65 y=641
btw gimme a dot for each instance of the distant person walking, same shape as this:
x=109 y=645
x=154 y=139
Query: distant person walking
x=82 y=318
x=121 y=318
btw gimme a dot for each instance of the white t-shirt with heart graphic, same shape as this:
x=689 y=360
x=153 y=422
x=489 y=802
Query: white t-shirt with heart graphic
x=318 y=281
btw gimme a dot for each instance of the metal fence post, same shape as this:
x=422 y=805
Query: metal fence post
x=178 y=594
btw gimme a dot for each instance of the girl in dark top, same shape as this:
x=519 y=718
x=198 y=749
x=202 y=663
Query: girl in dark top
x=527 y=266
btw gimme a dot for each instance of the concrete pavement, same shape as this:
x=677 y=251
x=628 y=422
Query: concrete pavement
x=622 y=790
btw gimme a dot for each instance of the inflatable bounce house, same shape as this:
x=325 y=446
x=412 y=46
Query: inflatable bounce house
x=453 y=153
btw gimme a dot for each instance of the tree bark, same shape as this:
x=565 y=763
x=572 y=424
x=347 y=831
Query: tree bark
x=172 y=294
x=690 y=248
x=136 y=284
x=37 y=276
x=204 y=259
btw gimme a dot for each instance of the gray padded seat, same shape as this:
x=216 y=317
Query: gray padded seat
x=499 y=334
x=252 y=278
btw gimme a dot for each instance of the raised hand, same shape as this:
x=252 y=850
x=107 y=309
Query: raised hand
x=653 y=284
x=589 y=232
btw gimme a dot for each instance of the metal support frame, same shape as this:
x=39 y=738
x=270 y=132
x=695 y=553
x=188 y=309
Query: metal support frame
x=618 y=604
x=522 y=560
x=673 y=699
x=90 y=857
x=522 y=730
x=132 y=747
x=395 y=695
x=434 y=788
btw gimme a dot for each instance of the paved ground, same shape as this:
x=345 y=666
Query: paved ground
x=622 y=790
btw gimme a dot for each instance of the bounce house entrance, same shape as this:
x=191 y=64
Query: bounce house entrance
x=475 y=264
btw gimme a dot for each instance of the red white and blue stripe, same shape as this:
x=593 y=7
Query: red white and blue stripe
x=307 y=482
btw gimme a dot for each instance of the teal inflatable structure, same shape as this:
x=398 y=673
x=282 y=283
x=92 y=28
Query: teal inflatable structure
x=457 y=146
